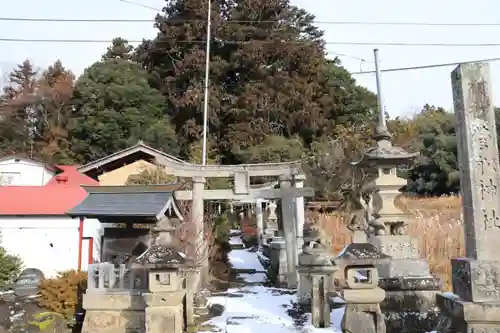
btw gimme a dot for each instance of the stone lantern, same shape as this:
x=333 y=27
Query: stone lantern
x=362 y=294
x=410 y=288
x=316 y=268
x=385 y=218
x=168 y=288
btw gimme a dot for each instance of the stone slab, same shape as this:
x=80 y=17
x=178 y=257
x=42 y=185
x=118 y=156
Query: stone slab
x=404 y=268
x=115 y=302
x=410 y=301
x=476 y=280
x=164 y=319
x=409 y=283
x=114 y=322
x=398 y=247
x=459 y=316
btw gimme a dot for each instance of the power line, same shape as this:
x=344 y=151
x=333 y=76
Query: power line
x=26 y=40
x=370 y=23
x=140 y=5
x=401 y=69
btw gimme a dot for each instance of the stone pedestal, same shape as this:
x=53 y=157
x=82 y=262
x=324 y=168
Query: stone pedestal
x=315 y=269
x=459 y=316
x=475 y=304
x=409 y=305
x=278 y=261
x=164 y=312
x=112 y=313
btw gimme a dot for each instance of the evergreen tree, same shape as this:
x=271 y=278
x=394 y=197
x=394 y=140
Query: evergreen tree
x=119 y=49
x=17 y=110
x=268 y=74
x=114 y=108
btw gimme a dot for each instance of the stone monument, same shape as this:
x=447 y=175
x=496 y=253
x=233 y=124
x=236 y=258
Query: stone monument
x=475 y=305
x=362 y=295
x=410 y=288
x=316 y=268
x=28 y=282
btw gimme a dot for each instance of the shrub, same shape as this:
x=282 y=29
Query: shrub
x=10 y=267
x=221 y=229
x=61 y=294
x=48 y=321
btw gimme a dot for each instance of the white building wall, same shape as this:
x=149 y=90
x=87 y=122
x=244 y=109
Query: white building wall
x=23 y=172
x=49 y=243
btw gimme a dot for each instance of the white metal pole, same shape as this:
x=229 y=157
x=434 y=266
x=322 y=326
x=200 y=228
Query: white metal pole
x=207 y=72
x=380 y=97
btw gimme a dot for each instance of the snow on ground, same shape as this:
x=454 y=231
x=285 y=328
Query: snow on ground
x=245 y=259
x=236 y=240
x=255 y=309
x=234 y=232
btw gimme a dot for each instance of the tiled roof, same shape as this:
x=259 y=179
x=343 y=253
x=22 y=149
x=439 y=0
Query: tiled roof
x=140 y=202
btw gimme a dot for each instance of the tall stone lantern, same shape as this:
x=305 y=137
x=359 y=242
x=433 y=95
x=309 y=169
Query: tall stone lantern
x=410 y=288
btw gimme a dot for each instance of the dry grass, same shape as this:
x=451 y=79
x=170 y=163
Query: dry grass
x=436 y=222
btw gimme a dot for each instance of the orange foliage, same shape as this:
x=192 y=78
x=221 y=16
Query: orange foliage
x=61 y=294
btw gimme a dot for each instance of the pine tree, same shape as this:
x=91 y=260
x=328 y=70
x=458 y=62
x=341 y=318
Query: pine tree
x=18 y=110
x=119 y=49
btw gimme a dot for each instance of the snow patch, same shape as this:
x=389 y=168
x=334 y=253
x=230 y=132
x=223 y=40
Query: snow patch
x=236 y=240
x=254 y=309
x=245 y=259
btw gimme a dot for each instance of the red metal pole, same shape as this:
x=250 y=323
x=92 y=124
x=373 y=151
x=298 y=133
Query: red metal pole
x=91 y=250
x=80 y=244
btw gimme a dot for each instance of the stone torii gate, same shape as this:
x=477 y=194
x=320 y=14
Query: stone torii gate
x=288 y=193
x=290 y=181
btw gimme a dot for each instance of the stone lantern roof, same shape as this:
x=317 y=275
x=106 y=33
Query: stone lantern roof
x=361 y=254
x=161 y=256
x=385 y=154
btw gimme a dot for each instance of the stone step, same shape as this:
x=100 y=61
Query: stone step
x=247 y=271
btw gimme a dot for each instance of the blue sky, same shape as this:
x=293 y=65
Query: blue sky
x=404 y=92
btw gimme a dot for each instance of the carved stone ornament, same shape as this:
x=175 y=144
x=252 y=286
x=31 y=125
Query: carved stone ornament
x=357 y=221
x=319 y=236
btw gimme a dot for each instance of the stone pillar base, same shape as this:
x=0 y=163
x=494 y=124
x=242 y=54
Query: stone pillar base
x=278 y=262
x=109 y=313
x=459 y=316
x=409 y=305
x=160 y=319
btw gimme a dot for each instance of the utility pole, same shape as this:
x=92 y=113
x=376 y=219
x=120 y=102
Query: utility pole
x=207 y=72
x=380 y=97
